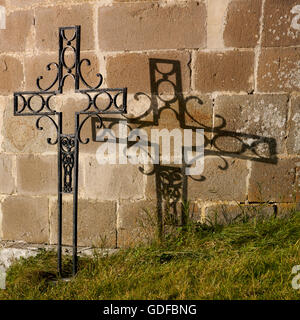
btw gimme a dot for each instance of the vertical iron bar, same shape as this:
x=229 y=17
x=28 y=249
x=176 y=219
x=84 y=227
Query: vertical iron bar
x=60 y=66
x=59 y=204
x=77 y=57
x=75 y=195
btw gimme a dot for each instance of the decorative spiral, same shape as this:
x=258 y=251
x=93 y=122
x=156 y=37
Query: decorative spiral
x=39 y=127
x=88 y=62
x=41 y=77
x=99 y=126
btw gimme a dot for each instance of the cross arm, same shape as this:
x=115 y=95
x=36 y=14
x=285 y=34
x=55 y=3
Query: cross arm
x=100 y=102
x=105 y=101
x=33 y=103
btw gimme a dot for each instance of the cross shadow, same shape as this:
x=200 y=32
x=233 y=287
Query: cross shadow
x=171 y=182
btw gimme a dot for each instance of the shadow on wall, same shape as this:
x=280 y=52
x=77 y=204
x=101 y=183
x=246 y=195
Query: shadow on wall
x=185 y=113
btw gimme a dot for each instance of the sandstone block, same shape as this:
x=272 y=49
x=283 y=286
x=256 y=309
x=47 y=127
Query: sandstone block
x=11 y=74
x=198 y=114
x=35 y=67
x=137 y=222
x=286 y=209
x=280 y=23
x=222 y=179
x=17 y=36
x=143 y=26
x=25 y=218
x=36 y=175
x=269 y=182
x=21 y=134
x=17 y=4
x=131 y=70
x=278 y=70
x=242 y=24
x=47 y=38
x=7 y=176
x=112 y=182
x=224 y=71
x=253 y=125
x=216 y=14
x=226 y=214
x=121 y=1
x=293 y=139
x=96 y=223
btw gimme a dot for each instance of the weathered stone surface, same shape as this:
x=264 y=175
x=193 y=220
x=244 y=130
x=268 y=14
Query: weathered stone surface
x=242 y=23
x=137 y=222
x=17 y=36
x=165 y=182
x=64 y=16
x=25 y=218
x=17 y=4
x=191 y=112
x=9 y=255
x=194 y=212
x=222 y=179
x=297 y=183
x=21 y=134
x=278 y=70
x=112 y=182
x=98 y=136
x=286 y=209
x=3 y=103
x=226 y=214
x=188 y=112
x=269 y=182
x=216 y=12
x=135 y=1
x=7 y=176
x=224 y=71
x=96 y=223
x=11 y=74
x=281 y=23
x=89 y=72
x=68 y=105
x=36 y=66
x=143 y=26
x=198 y=113
x=131 y=70
x=252 y=125
x=36 y=175
x=169 y=118
x=293 y=139
x=151 y=186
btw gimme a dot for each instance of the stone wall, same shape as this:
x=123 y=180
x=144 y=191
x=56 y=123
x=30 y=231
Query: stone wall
x=236 y=74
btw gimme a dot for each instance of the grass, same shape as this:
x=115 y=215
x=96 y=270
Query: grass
x=247 y=260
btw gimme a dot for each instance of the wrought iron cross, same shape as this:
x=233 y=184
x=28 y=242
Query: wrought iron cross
x=68 y=144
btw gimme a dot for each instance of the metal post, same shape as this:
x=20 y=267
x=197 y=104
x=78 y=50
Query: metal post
x=59 y=203
x=75 y=195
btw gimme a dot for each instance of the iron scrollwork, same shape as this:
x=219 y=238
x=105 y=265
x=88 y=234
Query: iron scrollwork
x=67 y=145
